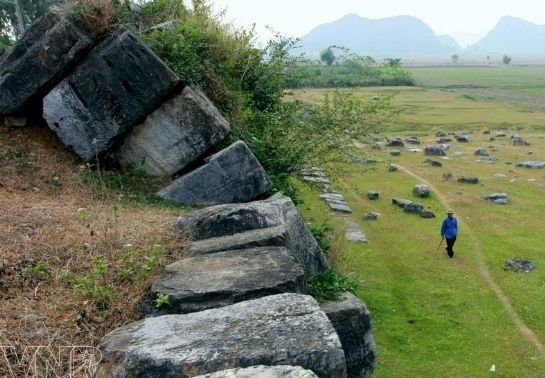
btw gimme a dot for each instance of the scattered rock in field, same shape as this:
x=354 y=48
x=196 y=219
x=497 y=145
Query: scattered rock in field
x=363 y=160
x=444 y=140
x=499 y=175
x=354 y=232
x=394 y=142
x=421 y=190
x=500 y=134
x=486 y=131
x=519 y=265
x=373 y=195
x=433 y=163
x=376 y=146
x=530 y=152
x=531 y=164
x=261 y=371
x=468 y=180
x=415 y=150
x=516 y=140
x=440 y=134
x=447 y=176
x=372 y=216
x=392 y=168
x=352 y=321
x=427 y=214
x=336 y=202
x=462 y=138
x=481 y=152
x=490 y=159
x=413 y=140
x=492 y=139
x=435 y=151
x=413 y=208
x=395 y=153
x=497 y=198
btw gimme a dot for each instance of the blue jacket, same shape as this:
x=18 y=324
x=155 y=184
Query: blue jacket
x=449 y=228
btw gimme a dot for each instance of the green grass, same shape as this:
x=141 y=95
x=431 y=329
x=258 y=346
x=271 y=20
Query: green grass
x=433 y=316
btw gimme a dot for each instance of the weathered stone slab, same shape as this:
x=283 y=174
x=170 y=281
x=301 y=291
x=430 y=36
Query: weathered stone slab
x=176 y=134
x=285 y=329
x=497 y=198
x=464 y=138
x=394 y=142
x=531 y=164
x=517 y=140
x=371 y=216
x=278 y=210
x=352 y=321
x=117 y=85
x=373 y=195
x=401 y=202
x=260 y=237
x=355 y=233
x=433 y=163
x=232 y=175
x=468 y=180
x=435 y=151
x=223 y=278
x=263 y=372
x=45 y=53
x=339 y=207
x=481 y=152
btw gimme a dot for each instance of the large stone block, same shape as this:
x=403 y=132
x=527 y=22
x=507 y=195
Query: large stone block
x=116 y=86
x=263 y=372
x=260 y=237
x=352 y=321
x=285 y=329
x=45 y=53
x=231 y=175
x=226 y=220
x=174 y=135
x=223 y=278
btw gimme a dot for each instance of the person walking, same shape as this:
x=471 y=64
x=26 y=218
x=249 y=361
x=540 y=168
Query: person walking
x=449 y=231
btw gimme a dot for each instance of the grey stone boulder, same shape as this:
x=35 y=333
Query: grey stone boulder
x=468 y=180
x=433 y=163
x=531 y=164
x=427 y=214
x=516 y=264
x=500 y=134
x=285 y=329
x=232 y=175
x=392 y=168
x=435 y=151
x=336 y=202
x=481 y=152
x=260 y=237
x=446 y=176
x=413 y=208
x=421 y=190
x=263 y=372
x=394 y=142
x=47 y=51
x=373 y=195
x=176 y=134
x=120 y=82
x=395 y=153
x=517 y=140
x=497 y=198
x=278 y=210
x=372 y=216
x=440 y=133
x=223 y=278
x=401 y=202
x=352 y=321
x=413 y=140
x=464 y=138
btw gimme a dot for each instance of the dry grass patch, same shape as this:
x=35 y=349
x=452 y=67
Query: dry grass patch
x=72 y=266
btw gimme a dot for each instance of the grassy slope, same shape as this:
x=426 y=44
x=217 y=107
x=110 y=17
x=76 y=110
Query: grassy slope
x=434 y=316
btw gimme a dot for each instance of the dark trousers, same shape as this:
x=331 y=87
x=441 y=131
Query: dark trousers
x=450 y=244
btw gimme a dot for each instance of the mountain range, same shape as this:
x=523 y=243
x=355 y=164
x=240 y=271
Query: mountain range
x=402 y=36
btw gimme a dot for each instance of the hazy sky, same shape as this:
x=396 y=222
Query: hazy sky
x=465 y=20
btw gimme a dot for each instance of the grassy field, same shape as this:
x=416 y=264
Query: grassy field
x=434 y=316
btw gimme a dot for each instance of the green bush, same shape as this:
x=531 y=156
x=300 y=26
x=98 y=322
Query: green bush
x=329 y=286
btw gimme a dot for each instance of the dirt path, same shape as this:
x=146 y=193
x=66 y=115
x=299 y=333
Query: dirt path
x=485 y=272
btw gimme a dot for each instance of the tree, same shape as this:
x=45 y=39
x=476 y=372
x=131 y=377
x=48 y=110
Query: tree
x=455 y=58
x=506 y=59
x=393 y=62
x=328 y=56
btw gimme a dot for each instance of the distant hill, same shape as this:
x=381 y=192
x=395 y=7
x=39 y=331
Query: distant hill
x=393 y=36
x=514 y=36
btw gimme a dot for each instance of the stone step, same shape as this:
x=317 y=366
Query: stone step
x=263 y=372
x=223 y=278
x=285 y=329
